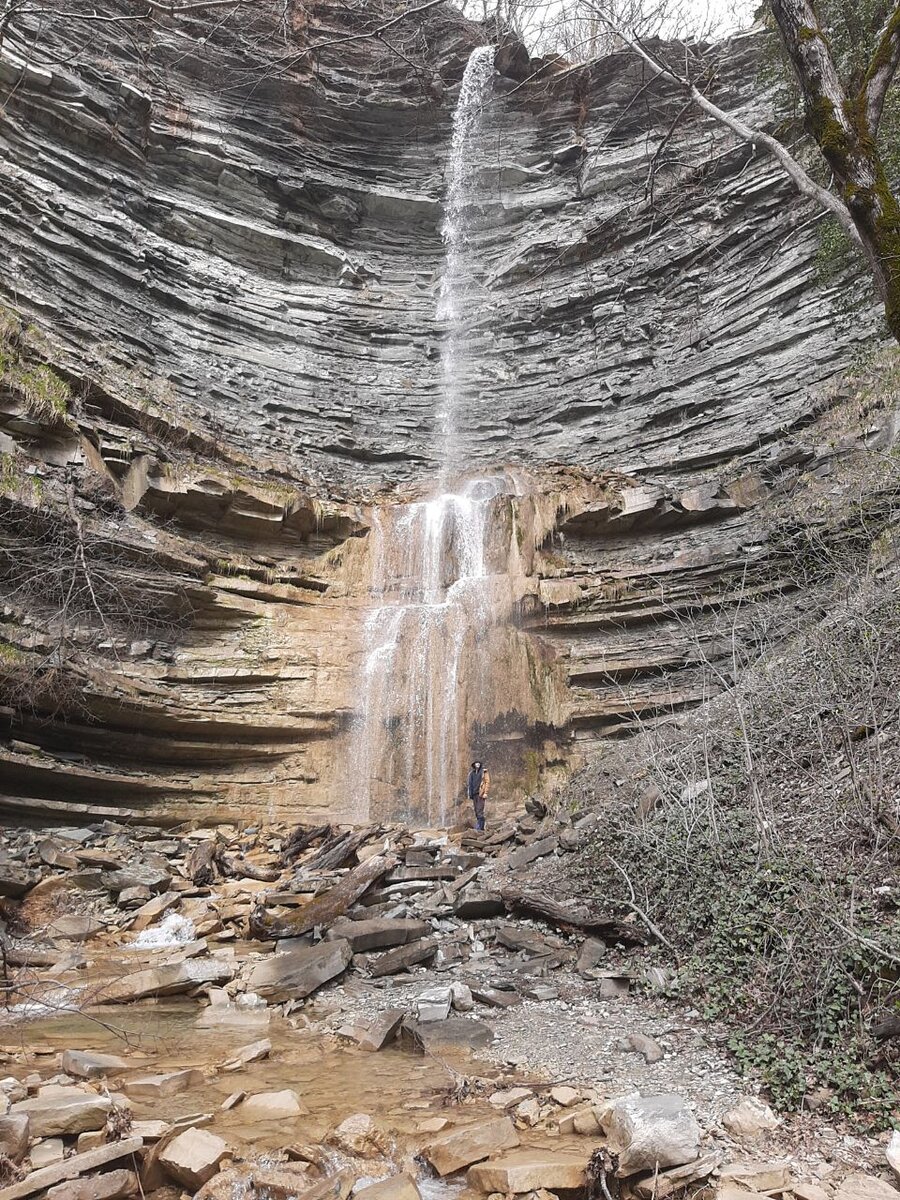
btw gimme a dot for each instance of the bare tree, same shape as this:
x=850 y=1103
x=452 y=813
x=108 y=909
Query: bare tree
x=844 y=101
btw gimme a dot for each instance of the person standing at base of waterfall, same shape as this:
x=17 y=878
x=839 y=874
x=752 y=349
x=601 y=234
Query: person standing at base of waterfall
x=478 y=787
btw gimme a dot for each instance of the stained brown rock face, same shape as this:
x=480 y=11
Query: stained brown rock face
x=232 y=261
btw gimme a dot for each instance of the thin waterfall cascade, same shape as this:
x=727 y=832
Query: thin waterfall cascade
x=442 y=568
x=462 y=294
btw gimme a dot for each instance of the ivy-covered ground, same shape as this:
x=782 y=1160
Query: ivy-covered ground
x=760 y=834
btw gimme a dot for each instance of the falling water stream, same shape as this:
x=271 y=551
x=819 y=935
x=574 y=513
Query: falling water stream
x=433 y=591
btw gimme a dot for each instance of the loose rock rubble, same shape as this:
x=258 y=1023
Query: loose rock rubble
x=371 y=941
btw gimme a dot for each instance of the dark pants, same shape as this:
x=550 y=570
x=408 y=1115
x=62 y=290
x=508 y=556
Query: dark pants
x=478 y=802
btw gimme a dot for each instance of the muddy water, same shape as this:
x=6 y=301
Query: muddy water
x=397 y=1087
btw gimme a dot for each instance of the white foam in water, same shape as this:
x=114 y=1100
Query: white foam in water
x=173 y=930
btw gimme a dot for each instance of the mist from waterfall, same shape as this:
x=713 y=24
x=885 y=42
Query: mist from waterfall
x=432 y=571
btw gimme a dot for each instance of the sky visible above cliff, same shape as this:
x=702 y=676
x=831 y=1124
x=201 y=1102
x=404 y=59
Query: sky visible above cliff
x=568 y=24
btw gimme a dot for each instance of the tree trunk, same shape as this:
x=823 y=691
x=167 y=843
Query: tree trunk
x=846 y=131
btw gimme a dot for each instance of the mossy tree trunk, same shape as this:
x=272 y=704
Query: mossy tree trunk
x=845 y=124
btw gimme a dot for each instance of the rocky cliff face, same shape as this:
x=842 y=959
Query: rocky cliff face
x=229 y=253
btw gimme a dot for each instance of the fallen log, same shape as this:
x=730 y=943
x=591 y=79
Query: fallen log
x=301 y=839
x=202 y=862
x=572 y=915
x=324 y=909
x=237 y=868
x=340 y=849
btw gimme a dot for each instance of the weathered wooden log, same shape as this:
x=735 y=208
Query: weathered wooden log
x=321 y=910
x=302 y=838
x=238 y=868
x=202 y=862
x=888 y=1028
x=572 y=915
x=339 y=850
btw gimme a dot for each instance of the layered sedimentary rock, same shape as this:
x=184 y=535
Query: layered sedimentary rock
x=229 y=250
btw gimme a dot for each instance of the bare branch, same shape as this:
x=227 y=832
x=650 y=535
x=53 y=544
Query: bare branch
x=801 y=179
x=882 y=70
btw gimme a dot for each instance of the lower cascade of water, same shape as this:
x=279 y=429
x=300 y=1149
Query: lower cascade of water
x=441 y=583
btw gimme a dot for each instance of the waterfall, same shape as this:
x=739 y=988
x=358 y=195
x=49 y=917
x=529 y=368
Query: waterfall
x=435 y=575
x=461 y=293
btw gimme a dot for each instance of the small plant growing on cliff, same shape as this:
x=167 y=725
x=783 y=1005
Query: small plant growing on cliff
x=46 y=395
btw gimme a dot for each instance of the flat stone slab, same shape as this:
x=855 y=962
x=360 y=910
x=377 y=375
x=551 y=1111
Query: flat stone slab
x=475 y=904
x=860 y=1187
x=378 y=934
x=530 y=1170
x=85 y=1064
x=167 y=980
x=470 y=1144
x=398 y=1187
x=402 y=958
x=299 y=972
x=463 y=1033
x=527 y=854
x=192 y=1157
x=159 y=1087
x=57 y=1111
x=273 y=1106
x=112 y=1185
x=72 y=1168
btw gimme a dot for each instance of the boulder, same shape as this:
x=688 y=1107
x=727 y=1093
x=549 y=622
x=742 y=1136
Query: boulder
x=153 y=910
x=382 y=1030
x=158 y=1087
x=565 y=1096
x=273 y=1106
x=650 y=1133
x=397 y=1187
x=136 y=875
x=12 y=1089
x=591 y=954
x=749 y=1120
x=460 y=1032
x=471 y=1144
x=167 y=980
x=865 y=1187
x=299 y=972
x=461 y=997
x=254 y=1052
x=520 y=858
x=193 y=1157
x=646 y=1046
x=579 y=1120
x=475 y=904
x=14 y=1134
x=57 y=1111
x=530 y=1170
x=113 y=1185
x=84 y=1064
x=807 y=1189
x=359 y=1134
x=434 y=1004
x=378 y=934
x=15 y=880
